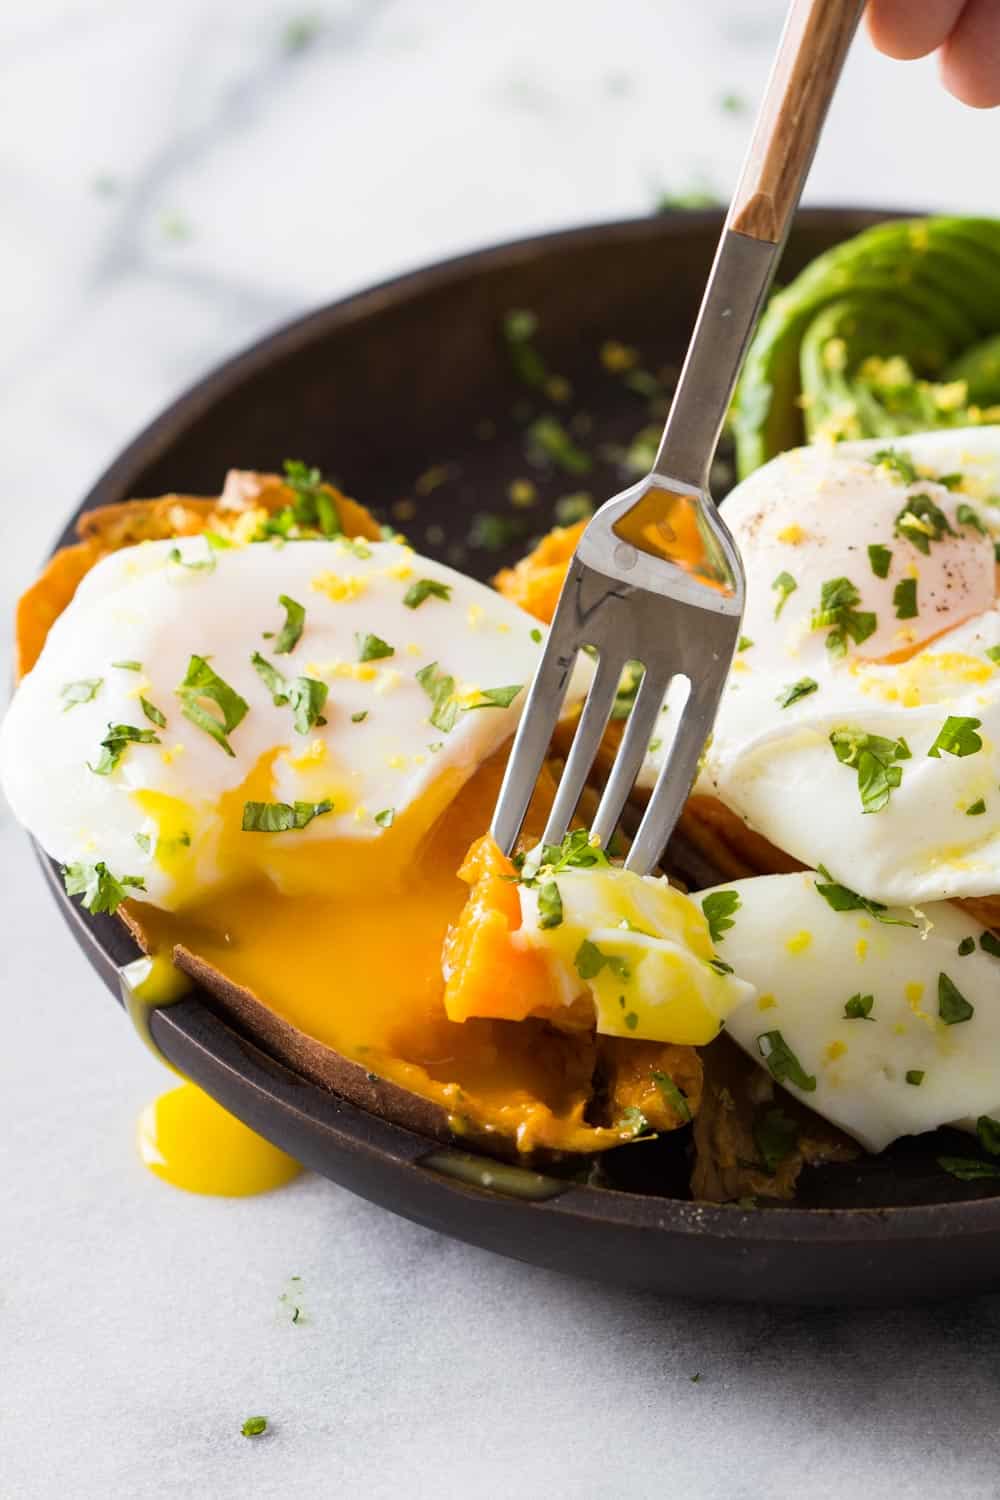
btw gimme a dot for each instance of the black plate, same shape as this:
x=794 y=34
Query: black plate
x=405 y=394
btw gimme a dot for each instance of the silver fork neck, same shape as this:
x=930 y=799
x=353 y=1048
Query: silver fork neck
x=737 y=285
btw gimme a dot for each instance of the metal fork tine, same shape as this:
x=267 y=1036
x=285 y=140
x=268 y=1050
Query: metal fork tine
x=531 y=743
x=593 y=722
x=631 y=754
x=675 y=778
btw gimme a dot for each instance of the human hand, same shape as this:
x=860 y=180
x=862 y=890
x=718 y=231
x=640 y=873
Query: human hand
x=966 y=31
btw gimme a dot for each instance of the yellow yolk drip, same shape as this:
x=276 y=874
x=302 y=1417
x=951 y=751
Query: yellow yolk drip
x=348 y=950
x=193 y=1143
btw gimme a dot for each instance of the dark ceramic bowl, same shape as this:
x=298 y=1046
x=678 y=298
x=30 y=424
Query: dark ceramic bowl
x=406 y=395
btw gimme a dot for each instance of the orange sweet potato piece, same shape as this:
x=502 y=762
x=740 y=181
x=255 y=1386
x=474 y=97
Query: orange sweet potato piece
x=535 y=581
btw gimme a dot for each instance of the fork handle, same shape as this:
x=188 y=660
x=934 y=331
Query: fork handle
x=811 y=54
x=810 y=57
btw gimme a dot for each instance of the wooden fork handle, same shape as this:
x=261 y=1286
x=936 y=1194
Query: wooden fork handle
x=811 y=54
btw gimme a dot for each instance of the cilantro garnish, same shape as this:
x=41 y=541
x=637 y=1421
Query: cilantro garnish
x=915 y=1076
x=966 y=516
x=967 y=1168
x=280 y=817
x=631 y=1020
x=776 y=1135
x=576 y=852
x=990 y=944
x=966 y=946
x=152 y=713
x=254 y=1426
x=952 y=1004
x=386 y=817
x=978 y=807
x=988 y=1131
x=312 y=508
x=360 y=717
x=993 y=652
x=838 y=598
x=290 y=633
x=200 y=681
x=842 y=898
x=440 y=689
x=744 y=643
x=922 y=522
x=957 y=736
x=84 y=691
x=275 y=682
x=501 y=697
x=98 y=888
x=899 y=465
x=782 y=1064
x=373 y=647
x=880 y=558
x=795 y=691
x=873 y=757
x=536 y=636
x=859 y=1008
x=633 y=1120
x=720 y=908
x=204 y=565
x=519 y=327
x=719 y=966
x=904 y=599
x=304 y=695
x=628 y=688
x=550 y=439
x=115 y=743
x=550 y=907
x=783 y=586
x=672 y=1095
x=590 y=961
x=144 y=841
x=425 y=588
x=128 y=666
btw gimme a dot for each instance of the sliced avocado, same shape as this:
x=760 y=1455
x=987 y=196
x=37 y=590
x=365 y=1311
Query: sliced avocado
x=924 y=290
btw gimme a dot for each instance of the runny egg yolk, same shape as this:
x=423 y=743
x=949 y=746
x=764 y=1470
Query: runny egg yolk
x=190 y=1141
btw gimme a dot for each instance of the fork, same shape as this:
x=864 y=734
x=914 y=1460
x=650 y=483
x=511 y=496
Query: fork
x=656 y=577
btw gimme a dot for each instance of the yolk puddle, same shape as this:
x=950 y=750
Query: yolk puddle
x=193 y=1143
x=360 y=971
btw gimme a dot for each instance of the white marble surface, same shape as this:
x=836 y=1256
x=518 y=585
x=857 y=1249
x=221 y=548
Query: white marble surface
x=177 y=179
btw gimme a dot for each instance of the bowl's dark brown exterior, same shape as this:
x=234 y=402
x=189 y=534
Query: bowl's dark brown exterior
x=376 y=390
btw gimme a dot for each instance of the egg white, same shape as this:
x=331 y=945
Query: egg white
x=139 y=605
x=807 y=960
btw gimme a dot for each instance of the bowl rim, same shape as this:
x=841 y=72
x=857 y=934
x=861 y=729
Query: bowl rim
x=193 y=1035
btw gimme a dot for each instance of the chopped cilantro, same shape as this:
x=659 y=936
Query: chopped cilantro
x=275 y=682
x=837 y=613
x=536 y=636
x=550 y=907
x=570 y=509
x=290 y=633
x=744 y=643
x=957 y=736
x=519 y=328
x=976 y=809
x=880 y=558
x=904 y=599
x=115 y=743
x=672 y=1095
x=795 y=691
x=782 y=1063
x=842 y=898
x=783 y=586
x=633 y=1120
x=386 y=817
x=988 y=1131
x=281 y=817
x=307 y=699
x=719 y=965
x=425 y=588
x=899 y=465
x=968 y=1168
x=966 y=946
x=720 y=907
x=144 y=841
x=859 y=1008
x=549 y=439
x=590 y=961
x=128 y=666
x=915 y=1076
x=990 y=944
x=254 y=1426
x=200 y=681
x=874 y=758
x=776 y=1136
x=360 y=717
x=440 y=689
x=98 y=889
x=373 y=647
x=312 y=507
x=203 y=565
x=922 y=522
x=628 y=689
x=576 y=852
x=84 y=691
x=966 y=516
x=152 y=713
x=501 y=697
x=953 y=1007
x=631 y=1020
x=993 y=652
